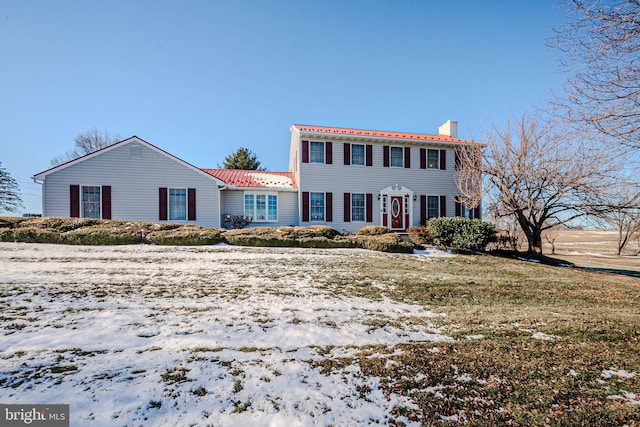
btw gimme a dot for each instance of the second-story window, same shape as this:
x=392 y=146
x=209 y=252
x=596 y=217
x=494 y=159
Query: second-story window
x=357 y=154
x=433 y=159
x=396 y=156
x=316 y=152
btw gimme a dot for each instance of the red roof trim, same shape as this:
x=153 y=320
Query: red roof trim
x=250 y=178
x=378 y=134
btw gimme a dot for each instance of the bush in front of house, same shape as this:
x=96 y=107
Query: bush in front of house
x=461 y=232
x=372 y=230
x=388 y=242
x=184 y=235
x=78 y=231
x=28 y=235
x=421 y=235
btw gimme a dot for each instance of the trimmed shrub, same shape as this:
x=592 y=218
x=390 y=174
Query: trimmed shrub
x=389 y=242
x=372 y=230
x=186 y=235
x=462 y=233
x=314 y=231
x=259 y=236
x=29 y=235
x=10 y=222
x=421 y=235
x=101 y=234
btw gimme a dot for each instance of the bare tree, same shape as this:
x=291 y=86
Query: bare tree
x=600 y=43
x=87 y=142
x=535 y=171
x=621 y=210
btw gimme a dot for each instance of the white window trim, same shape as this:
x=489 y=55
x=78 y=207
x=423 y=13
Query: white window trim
x=324 y=152
x=437 y=159
x=252 y=215
x=324 y=206
x=186 y=203
x=364 y=155
x=364 y=199
x=401 y=157
x=82 y=215
x=439 y=207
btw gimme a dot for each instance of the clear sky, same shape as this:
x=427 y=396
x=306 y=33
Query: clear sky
x=200 y=79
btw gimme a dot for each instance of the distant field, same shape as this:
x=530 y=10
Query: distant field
x=594 y=248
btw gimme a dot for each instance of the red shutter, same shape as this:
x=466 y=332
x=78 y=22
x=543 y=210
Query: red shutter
x=476 y=212
x=106 y=202
x=328 y=148
x=369 y=207
x=407 y=157
x=443 y=159
x=328 y=199
x=423 y=158
x=305 y=151
x=191 y=204
x=347 y=207
x=369 y=155
x=443 y=205
x=423 y=209
x=74 y=201
x=458 y=208
x=347 y=154
x=162 y=204
x=385 y=156
x=305 y=206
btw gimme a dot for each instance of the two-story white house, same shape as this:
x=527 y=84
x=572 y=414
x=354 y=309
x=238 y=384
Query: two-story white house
x=340 y=177
x=349 y=178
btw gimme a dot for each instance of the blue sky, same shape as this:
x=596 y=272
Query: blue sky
x=202 y=78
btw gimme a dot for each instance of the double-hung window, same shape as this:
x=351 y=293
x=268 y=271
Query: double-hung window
x=433 y=159
x=261 y=207
x=357 y=154
x=317 y=205
x=396 y=156
x=177 y=204
x=357 y=207
x=433 y=206
x=91 y=197
x=316 y=152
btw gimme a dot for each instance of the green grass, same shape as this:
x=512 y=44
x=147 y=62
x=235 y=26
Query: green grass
x=507 y=377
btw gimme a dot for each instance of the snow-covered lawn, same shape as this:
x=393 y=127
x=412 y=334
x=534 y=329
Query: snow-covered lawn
x=152 y=335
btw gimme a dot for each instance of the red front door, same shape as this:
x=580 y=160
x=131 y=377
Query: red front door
x=396 y=212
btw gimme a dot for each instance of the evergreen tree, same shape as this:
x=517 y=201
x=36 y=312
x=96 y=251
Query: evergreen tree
x=9 y=193
x=244 y=159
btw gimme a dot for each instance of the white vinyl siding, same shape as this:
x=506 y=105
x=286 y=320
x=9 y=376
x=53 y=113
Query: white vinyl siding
x=134 y=181
x=339 y=179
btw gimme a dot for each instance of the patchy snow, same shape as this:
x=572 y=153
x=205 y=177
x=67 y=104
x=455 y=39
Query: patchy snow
x=433 y=252
x=609 y=373
x=271 y=180
x=543 y=336
x=132 y=335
